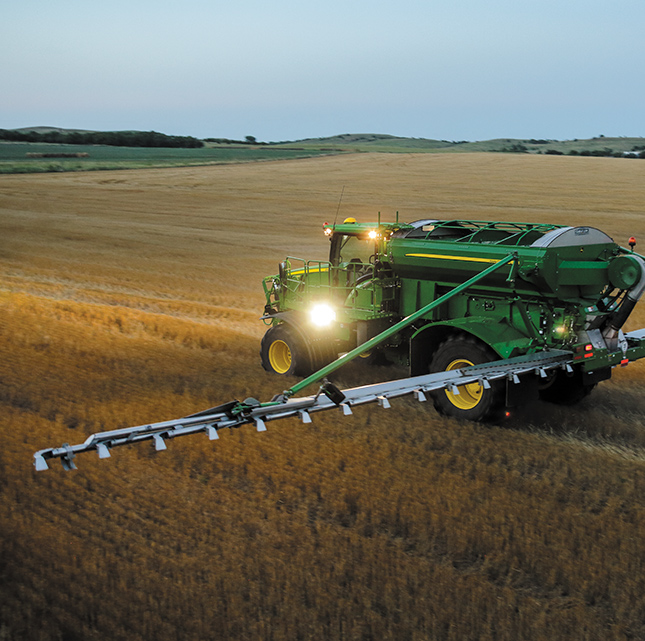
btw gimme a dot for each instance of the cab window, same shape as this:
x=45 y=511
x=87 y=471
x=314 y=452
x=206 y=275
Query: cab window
x=348 y=248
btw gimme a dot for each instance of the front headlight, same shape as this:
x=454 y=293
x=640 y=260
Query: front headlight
x=322 y=315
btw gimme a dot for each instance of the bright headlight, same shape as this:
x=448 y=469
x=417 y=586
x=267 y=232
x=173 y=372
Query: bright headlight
x=322 y=315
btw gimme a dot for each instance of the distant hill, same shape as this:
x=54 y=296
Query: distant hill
x=373 y=142
x=600 y=145
x=385 y=143
x=379 y=140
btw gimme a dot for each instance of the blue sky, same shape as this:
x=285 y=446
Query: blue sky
x=284 y=70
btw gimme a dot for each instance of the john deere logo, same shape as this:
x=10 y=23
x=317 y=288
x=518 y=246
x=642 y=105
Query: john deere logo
x=581 y=231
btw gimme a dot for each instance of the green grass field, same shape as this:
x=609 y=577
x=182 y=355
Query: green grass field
x=13 y=156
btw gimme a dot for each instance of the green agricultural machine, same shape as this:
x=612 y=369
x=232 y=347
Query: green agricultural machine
x=555 y=288
x=486 y=316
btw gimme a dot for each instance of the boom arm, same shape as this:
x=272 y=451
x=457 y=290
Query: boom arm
x=236 y=413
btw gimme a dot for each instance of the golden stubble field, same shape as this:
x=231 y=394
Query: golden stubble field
x=134 y=296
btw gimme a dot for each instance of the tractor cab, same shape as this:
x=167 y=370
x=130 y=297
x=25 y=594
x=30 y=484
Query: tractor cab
x=358 y=251
x=352 y=252
x=356 y=245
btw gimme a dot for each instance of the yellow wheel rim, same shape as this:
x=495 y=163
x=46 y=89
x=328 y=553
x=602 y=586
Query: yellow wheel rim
x=469 y=395
x=280 y=356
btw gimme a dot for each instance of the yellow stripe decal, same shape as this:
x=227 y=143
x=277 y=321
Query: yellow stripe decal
x=471 y=259
x=312 y=270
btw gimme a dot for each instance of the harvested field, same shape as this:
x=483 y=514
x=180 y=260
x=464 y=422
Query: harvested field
x=134 y=296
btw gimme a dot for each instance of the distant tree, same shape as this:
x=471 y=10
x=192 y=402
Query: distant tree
x=250 y=139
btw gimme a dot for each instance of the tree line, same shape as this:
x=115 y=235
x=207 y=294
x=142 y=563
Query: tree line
x=248 y=140
x=600 y=153
x=112 y=138
x=635 y=152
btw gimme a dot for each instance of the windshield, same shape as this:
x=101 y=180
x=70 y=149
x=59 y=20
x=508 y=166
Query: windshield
x=345 y=249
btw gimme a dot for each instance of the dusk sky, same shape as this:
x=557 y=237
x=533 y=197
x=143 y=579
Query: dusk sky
x=285 y=70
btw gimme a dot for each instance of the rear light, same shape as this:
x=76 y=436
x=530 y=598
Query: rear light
x=583 y=351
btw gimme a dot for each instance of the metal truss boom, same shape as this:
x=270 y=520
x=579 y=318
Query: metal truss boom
x=251 y=411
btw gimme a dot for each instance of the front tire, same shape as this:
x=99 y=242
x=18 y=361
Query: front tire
x=474 y=402
x=282 y=352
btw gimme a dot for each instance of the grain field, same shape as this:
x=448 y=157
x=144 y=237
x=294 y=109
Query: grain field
x=133 y=296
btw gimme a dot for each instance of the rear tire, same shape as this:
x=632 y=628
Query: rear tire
x=283 y=352
x=473 y=403
x=566 y=389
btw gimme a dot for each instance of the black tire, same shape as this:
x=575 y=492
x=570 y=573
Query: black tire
x=565 y=388
x=372 y=358
x=283 y=352
x=473 y=403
